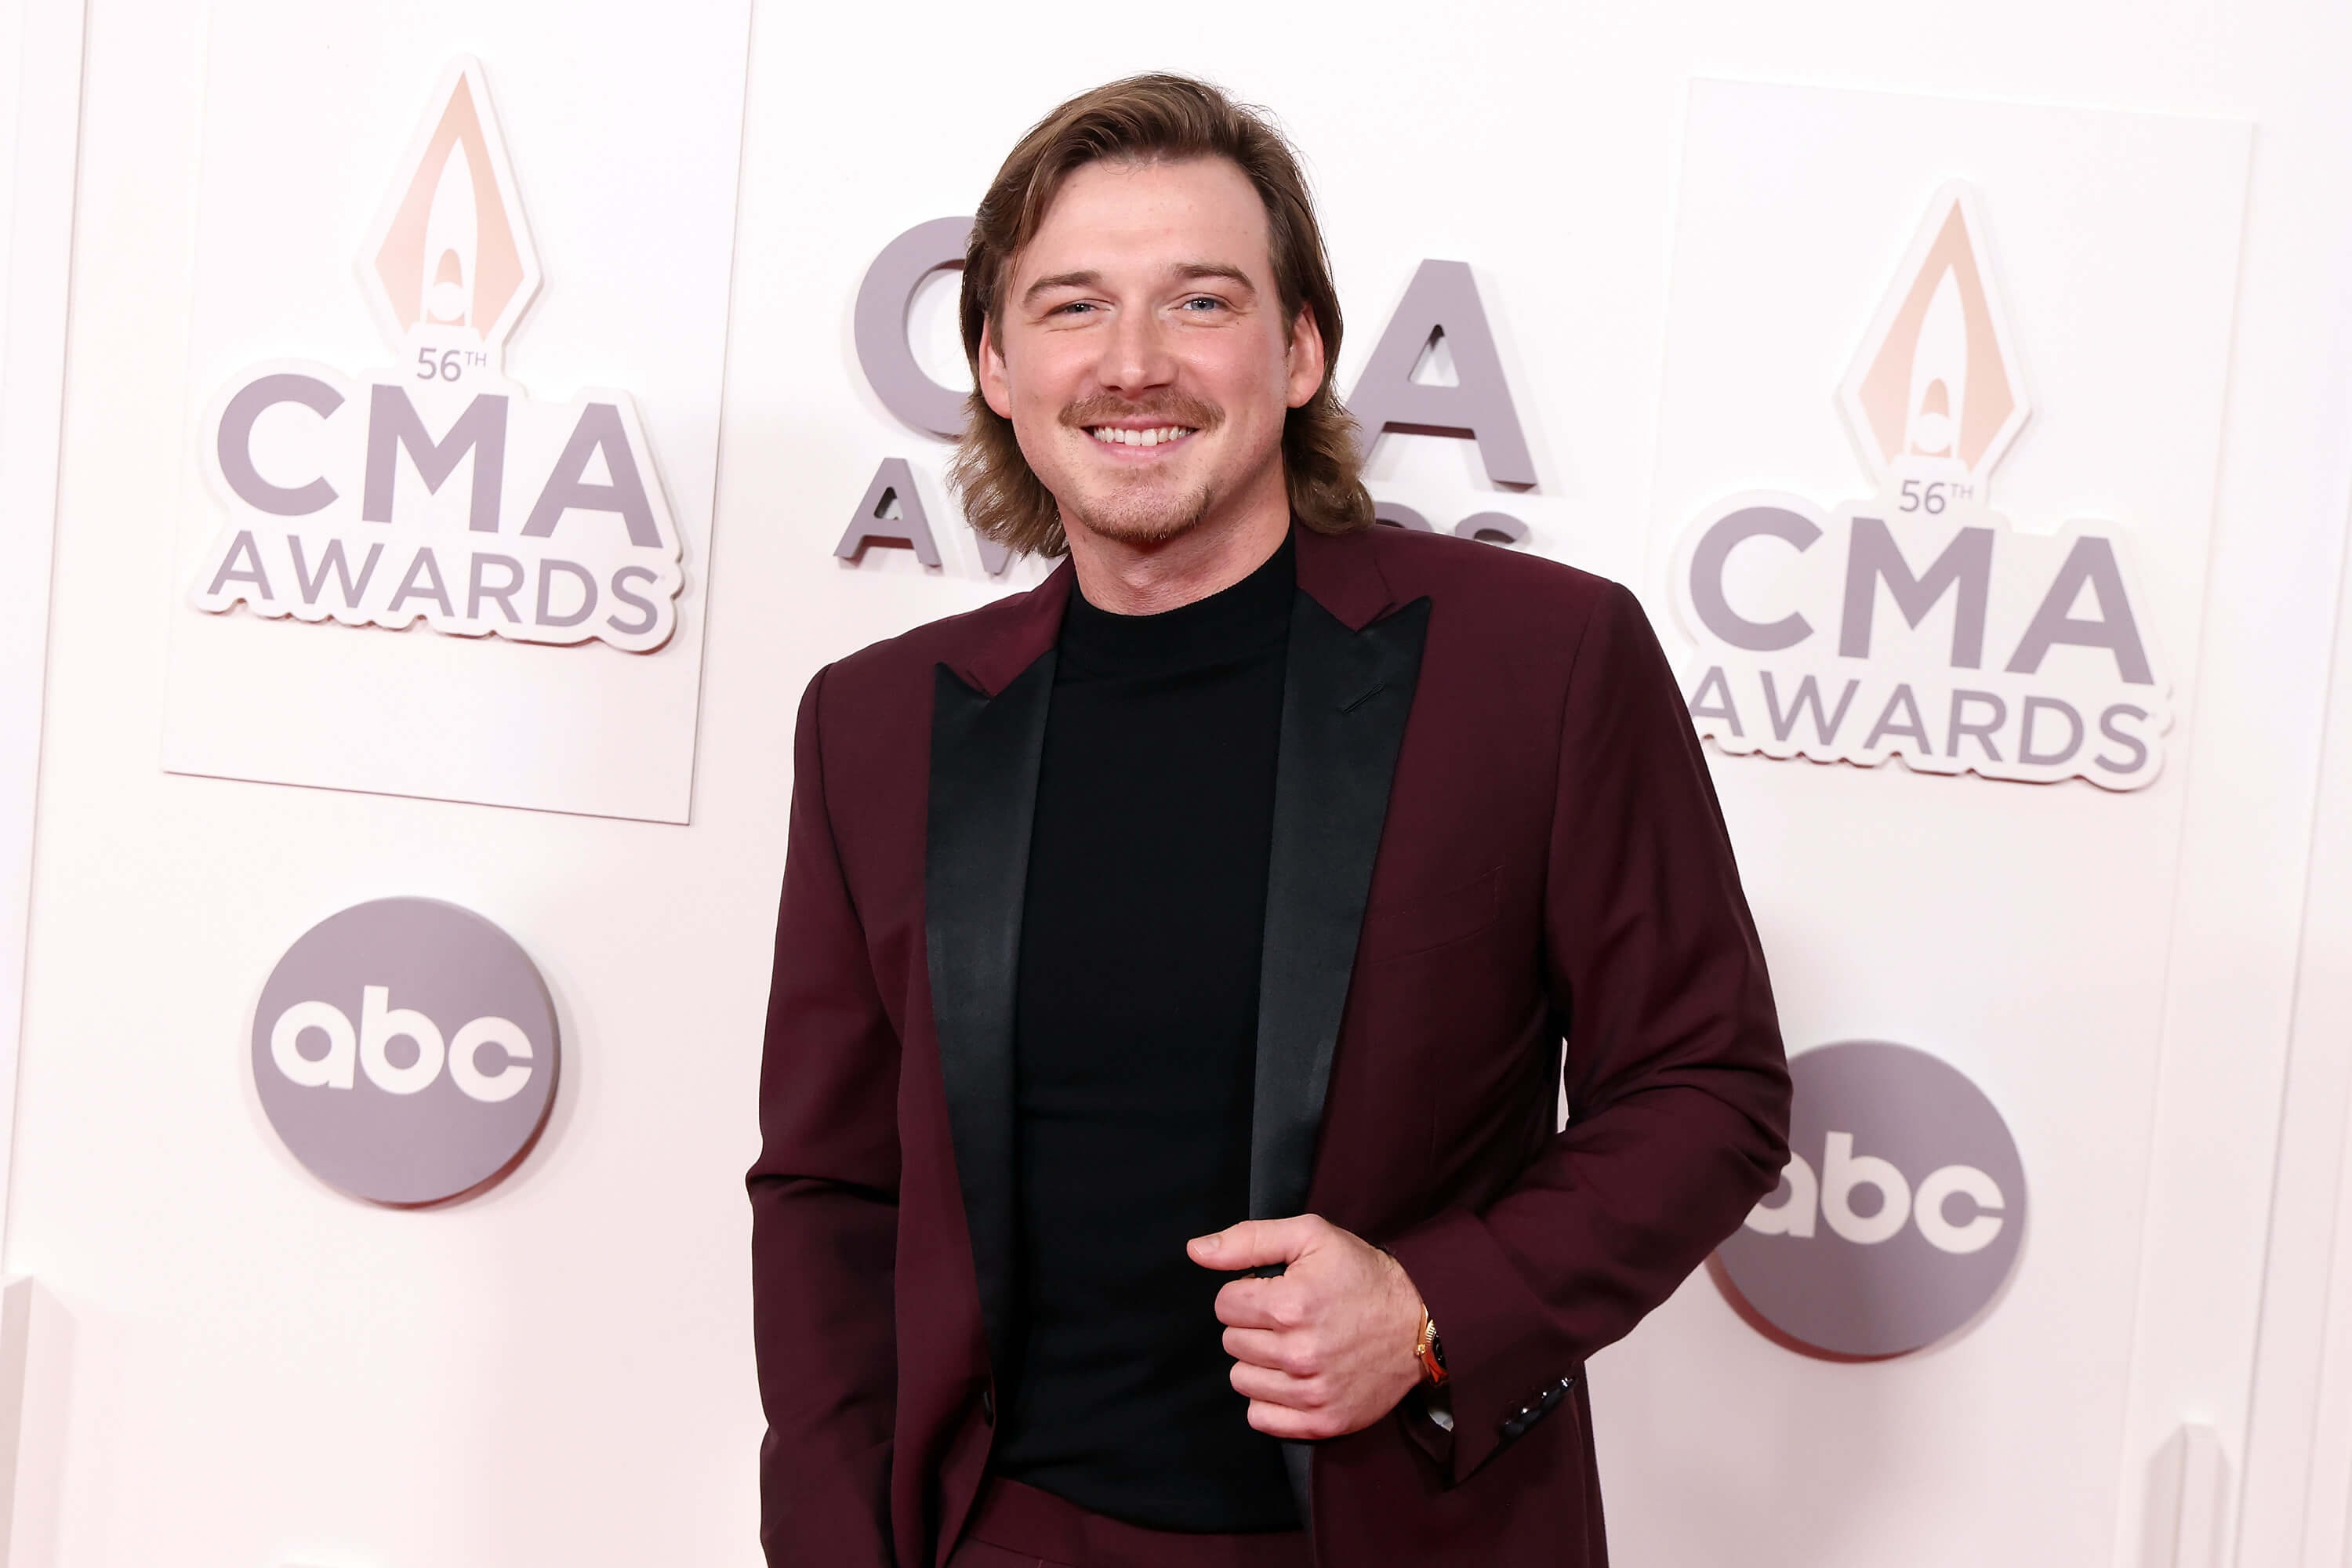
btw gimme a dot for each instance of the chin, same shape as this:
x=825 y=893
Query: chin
x=1141 y=519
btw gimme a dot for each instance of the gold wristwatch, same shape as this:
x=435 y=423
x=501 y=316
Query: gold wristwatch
x=1428 y=1352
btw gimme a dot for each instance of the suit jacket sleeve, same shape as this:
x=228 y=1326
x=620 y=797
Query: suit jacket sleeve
x=824 y=1207
x=1677 y=1087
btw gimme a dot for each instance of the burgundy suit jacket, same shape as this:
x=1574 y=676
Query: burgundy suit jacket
x=1493 y=832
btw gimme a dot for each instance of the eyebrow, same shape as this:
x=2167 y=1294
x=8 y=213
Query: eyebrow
x=1188 y=271
x=1060 y=280
x=1191 y=270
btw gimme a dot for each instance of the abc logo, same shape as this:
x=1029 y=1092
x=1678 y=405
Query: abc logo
x=1899 y=1216
x=380 y=1025
x=1845 y=1174
x=404 y=1052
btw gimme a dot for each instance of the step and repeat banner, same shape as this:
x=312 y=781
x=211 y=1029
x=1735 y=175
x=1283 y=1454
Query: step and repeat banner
x=1932 y=502
x=1912 y=449
x=475 y=396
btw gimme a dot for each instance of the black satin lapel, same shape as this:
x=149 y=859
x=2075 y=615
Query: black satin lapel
x=983 y=792
x=1344 y=704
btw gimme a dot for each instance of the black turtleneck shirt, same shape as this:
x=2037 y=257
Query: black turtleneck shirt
x=1135 y=1051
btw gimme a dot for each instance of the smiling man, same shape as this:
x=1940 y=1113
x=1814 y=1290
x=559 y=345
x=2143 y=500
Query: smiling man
x=1178 y=962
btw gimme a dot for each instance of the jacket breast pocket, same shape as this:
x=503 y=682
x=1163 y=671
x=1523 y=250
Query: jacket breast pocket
x=1398 y=928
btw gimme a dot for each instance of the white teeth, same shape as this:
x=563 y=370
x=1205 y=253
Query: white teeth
x=1112 y=436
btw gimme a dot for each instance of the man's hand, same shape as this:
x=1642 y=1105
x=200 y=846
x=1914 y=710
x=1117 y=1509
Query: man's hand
x=1325 y=1349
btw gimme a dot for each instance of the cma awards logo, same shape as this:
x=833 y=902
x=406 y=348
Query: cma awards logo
x=404 y=1052
x=1919 y=623
x=438 y=489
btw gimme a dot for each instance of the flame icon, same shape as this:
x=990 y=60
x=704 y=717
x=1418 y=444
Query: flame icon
x=450 y=257
x=1936 y=381
x=451 y=226
x=1939 y=374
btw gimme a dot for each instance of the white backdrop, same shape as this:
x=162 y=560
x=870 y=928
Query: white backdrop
x=40 y=62
x=262 y=1374
x=309 y=99
x=40 y=55
x=2006 y=928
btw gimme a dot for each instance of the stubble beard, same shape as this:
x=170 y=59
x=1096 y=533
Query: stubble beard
x=1136 y=517
x=1140 y=508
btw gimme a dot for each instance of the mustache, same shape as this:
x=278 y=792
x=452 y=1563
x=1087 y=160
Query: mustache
x=1167 y=408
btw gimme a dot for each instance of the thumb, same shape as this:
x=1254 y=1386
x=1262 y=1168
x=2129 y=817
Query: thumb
x=1254 y=1243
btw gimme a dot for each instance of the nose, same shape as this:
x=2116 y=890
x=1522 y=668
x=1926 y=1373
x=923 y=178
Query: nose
x=1136 y=355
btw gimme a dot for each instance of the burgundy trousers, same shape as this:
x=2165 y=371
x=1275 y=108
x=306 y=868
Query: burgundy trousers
x=1020 y=1527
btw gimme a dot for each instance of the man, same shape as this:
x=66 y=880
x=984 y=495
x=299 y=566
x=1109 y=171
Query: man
x=1161 y=1159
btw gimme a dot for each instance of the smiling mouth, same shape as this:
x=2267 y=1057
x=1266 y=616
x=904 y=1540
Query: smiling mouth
x=1158 y=435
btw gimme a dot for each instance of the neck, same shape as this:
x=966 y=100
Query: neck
x=1128 y=578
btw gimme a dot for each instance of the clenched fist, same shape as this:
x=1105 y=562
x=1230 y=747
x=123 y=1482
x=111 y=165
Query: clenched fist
x=1327 y=1347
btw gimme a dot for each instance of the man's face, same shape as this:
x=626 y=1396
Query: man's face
x=1142 y=356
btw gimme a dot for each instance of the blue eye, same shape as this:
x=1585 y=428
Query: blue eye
x=1212 y=302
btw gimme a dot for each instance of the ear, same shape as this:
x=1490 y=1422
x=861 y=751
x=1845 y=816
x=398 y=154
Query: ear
x=995 y=384
x=1305 y=358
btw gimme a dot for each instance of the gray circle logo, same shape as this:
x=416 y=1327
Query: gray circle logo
x=405 y=1052
x=1899 y=1216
